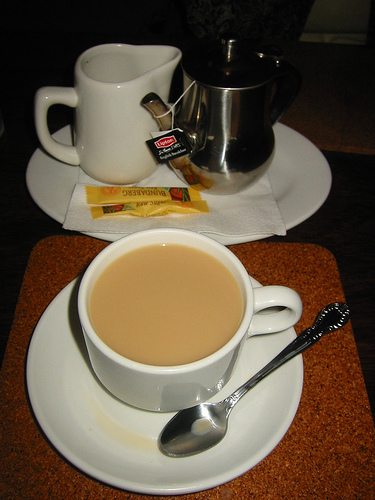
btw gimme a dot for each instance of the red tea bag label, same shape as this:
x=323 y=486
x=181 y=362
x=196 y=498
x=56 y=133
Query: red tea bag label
x=172 y=144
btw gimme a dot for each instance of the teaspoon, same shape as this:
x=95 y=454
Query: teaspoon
x=201 y=427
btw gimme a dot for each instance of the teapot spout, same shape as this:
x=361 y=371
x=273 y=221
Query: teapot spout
x=159 y=110
x=181 y=165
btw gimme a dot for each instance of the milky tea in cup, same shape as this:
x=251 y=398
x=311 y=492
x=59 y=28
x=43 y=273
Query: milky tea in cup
x=165 y=312
x=166 y=304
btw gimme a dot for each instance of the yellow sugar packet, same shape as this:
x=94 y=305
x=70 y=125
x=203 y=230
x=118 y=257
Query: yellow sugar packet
x=149 y=209
x=110 y=195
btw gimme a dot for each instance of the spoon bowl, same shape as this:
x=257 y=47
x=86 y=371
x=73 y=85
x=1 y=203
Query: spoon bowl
x=199 y=428
x=206 y=422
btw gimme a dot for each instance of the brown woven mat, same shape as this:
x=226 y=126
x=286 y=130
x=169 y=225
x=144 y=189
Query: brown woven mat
x=328 y=451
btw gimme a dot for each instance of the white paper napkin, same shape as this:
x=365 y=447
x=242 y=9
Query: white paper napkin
x=250 y=212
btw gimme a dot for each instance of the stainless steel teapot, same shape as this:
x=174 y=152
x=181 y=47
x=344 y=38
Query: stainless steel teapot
x=234 y=93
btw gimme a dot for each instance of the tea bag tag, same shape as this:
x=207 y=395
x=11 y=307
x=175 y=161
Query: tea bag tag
x=169 y=145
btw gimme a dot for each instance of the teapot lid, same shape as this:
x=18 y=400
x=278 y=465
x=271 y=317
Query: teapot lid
x=232 y=64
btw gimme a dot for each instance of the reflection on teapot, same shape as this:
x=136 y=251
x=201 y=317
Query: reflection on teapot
x=234 y=93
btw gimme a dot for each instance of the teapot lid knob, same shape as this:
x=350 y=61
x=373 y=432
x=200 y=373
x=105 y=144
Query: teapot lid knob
x=230 y=46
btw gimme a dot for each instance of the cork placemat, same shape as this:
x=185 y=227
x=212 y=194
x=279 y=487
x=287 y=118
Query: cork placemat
x=328 y=452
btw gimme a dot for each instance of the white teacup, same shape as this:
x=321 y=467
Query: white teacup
x=265 y=310
x=110 y=126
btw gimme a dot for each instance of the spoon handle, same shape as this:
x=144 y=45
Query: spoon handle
x=331 y=318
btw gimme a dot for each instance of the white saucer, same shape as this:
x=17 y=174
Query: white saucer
x=299 y=174
x=117 y=444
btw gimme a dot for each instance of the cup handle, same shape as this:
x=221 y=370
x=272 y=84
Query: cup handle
x=46 y=97
x=276 y=308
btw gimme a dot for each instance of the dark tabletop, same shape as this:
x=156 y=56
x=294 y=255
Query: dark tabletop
x=335 y=109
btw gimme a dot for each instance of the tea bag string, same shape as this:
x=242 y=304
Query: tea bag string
x=172 y=107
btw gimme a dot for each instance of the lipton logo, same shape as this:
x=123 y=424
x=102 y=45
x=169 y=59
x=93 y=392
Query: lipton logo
x=165 y=142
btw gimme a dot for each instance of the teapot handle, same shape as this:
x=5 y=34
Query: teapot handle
x=287 y=79
x=288 y=83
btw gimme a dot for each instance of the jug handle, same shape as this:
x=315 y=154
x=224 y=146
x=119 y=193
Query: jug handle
x=288 y=84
